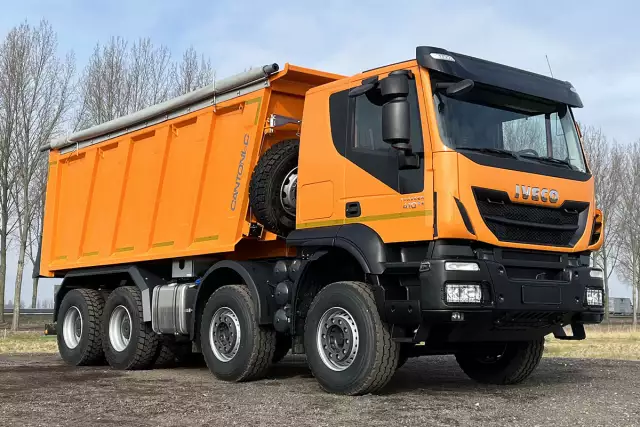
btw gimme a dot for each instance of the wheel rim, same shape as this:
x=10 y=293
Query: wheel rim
x=120 y=328
x=337 y=338
x=72 y=327
x=288 y=192
x=225 y=334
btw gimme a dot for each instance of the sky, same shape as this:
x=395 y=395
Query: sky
x=593 y=44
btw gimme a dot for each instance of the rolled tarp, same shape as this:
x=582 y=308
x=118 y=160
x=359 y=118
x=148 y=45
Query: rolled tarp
x=218 y=88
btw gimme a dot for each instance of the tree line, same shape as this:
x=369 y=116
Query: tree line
x=44 y=96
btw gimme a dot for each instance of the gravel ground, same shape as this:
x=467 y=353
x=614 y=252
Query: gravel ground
x=40 y=390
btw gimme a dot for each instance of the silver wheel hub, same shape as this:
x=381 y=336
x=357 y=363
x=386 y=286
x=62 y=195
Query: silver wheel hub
x=72 y=327
x=225 y=334
x=120 y=328
x=337 y=338
x=288 y=192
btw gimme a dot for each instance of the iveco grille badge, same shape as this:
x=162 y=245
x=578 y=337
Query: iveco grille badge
x=536 y=193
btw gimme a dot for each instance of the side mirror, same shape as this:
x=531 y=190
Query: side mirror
x=396 y=123
x=457 y=88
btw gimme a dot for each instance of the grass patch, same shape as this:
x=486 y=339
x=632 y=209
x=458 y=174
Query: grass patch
x=602 y=342
x=26 y=342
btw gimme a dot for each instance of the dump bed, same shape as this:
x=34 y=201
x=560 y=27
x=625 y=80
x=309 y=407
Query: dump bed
x=168 y=183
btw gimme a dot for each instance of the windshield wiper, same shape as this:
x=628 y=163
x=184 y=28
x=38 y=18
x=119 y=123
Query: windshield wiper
x=550 y=160
x=490 y=150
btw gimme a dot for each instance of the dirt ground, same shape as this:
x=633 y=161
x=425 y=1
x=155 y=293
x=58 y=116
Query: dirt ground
x=39 y=390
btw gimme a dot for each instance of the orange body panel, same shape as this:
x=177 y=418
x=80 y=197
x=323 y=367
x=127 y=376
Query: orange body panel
x=175 y=189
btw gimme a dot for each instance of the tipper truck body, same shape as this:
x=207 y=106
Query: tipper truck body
x=441 y=205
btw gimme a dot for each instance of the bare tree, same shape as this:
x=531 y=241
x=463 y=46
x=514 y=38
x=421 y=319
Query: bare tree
x=605 y=161
x=119 y=80
x=12 y=59
x=34 y=237
x=629 y=228
x=192 y=73
x=42 y=103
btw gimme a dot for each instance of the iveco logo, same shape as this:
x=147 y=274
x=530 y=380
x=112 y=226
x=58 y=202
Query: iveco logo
x=536 y=193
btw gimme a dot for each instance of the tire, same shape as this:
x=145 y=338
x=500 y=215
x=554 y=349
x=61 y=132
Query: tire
x=365 y=367
x=141 y=349
x=276 y=169
x=506 y=363
x=227 y=357
x=283 y=345
x=166 y=353
x=87 y=306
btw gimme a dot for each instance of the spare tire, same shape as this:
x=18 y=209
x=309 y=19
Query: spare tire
x=273 y=187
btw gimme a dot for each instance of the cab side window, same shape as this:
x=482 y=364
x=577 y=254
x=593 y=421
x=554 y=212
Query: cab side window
x=356 y=127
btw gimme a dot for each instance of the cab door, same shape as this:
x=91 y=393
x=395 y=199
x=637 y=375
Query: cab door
x=394 y=199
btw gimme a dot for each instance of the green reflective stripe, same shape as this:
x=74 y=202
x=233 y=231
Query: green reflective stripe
x=162 y=244
x=253 y=101
x=205 y=238
x=124 y=249
x=61 y=257
x=369 y=218
x=94 y=253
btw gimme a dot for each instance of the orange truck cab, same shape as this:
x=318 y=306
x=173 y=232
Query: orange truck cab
x=441 y=205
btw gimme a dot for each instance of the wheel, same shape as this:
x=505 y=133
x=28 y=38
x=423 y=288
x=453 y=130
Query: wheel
x=273 y=188
x=349 y=350
x=234 y=346
x=166 y=353
x=501 y=363
x=128 y=342
x=283 y=345
x=78 y=331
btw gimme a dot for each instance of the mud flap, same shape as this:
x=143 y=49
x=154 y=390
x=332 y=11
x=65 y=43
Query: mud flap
x=577 y=330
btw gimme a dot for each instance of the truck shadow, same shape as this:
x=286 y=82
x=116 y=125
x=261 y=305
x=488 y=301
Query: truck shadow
x=428 y=375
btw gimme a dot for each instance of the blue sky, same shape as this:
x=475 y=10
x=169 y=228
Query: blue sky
x=593 y=44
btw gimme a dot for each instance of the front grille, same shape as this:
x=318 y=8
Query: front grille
x=537 y=225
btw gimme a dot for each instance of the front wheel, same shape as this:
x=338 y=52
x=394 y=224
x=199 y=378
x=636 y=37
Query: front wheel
x=501 y=363
x=234 y=345
x=349 y=350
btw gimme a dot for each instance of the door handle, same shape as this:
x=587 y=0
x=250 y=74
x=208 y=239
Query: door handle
x=352 y=209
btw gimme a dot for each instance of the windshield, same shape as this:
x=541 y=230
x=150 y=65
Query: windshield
x=492 y=122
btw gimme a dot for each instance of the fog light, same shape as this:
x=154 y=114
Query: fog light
x=457 y=317
x=461 y=266
x=596 y=273
x=463 y=293
x=594 y=297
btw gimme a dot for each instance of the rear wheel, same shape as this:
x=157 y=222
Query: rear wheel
x=501 y=363
x=349 y=349
x=78 y=333
x=234 y=345
x=128 y=342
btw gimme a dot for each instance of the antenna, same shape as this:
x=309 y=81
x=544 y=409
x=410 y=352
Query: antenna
x=549 y=64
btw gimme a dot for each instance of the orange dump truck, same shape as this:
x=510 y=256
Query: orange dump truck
x=440 y=205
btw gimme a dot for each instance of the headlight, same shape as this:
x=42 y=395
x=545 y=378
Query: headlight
x=461 y=266
x=463 y=293
x=596 y=273
x=594 y=297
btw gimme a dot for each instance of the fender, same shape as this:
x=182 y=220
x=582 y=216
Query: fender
x=361 y=241
x=255 y=274
x=143 y=279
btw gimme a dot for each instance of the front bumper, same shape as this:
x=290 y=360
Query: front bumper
x=508 y=302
